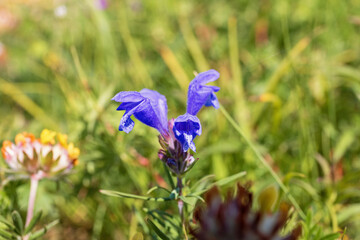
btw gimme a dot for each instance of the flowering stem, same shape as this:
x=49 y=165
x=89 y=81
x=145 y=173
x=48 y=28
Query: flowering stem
x=181 y=206
x=32 y=196
x=180 y=202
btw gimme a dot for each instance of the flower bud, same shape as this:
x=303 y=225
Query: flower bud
x=172 y=154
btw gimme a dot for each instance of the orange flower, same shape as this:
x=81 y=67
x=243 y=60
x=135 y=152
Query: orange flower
x=24 y=137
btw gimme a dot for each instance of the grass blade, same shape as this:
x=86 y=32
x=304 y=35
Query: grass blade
x=141 y=71
x=193 y=44
x=237 y=79
x=176 y=69
x=26 y=103
x=263 y=162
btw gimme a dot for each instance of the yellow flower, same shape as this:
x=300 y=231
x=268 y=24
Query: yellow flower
x=62 y=139
x=73 y=151
x=47 y=136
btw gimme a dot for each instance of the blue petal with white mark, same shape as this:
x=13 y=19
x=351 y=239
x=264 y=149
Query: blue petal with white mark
x=186 y=128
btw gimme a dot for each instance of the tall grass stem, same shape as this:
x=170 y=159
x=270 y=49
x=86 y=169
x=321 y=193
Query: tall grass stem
x=263 y=162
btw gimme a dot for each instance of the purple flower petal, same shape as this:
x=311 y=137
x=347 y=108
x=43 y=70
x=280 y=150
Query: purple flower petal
x=126 y=123
x=127 y=105
x=128 y=96
x=200 y=94
x=186 y=128
x=158 y=103
x=148 y=106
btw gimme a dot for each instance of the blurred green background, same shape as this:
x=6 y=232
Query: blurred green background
x=289 y=76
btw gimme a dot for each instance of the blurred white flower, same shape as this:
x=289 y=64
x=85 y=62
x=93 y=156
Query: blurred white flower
x=60 y=11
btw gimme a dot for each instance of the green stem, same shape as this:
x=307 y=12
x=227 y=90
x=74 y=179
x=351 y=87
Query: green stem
x=263 y=161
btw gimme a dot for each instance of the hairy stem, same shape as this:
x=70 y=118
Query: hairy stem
x=180 y=202
x=32 y=197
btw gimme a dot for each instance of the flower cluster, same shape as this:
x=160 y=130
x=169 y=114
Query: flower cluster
x=234 y=219
x=172 y=154
x=39 y=158
x=176 y=136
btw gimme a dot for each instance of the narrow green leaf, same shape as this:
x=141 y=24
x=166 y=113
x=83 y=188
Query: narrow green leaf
x=219 y=168
x=141 y=220
x=195 y=196
x=157 y=230
x=307 y=187
x=128 y=195
x=6 y=235
x=42 y=231
x=332 y=236
x=158 y=218
x=163 y=218
x=138 y=236
x=230 y=179
x=291 y=175
x=168 y=175
x=18 y=222
x=157 y=188
x=7 y=223
x=186 y=200
x=33 y=222
x=349 y=212
x=344 y=142
x=220 y=183
x=202 y=182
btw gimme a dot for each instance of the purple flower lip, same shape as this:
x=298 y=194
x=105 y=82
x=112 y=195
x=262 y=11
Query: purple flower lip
x=150 y=108
x=200 y=95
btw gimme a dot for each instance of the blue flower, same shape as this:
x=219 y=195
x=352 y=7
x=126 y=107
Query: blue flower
x=200 y=94
x=187 y=126
x=148 y=106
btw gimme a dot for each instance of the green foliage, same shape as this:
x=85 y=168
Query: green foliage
x=16 y=229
